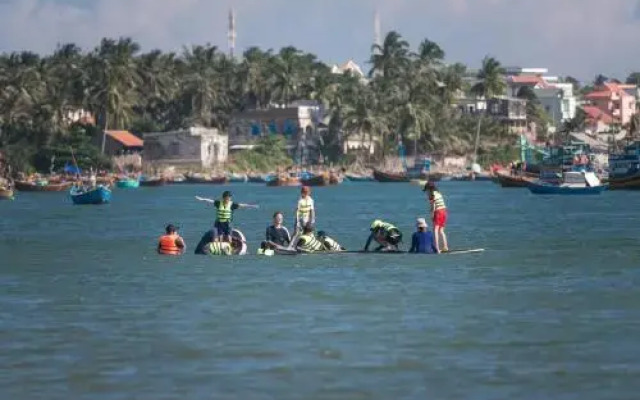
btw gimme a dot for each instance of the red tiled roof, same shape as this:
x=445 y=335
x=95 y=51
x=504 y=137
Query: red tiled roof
x=128 y=139
x=598 y=94
x=526 y=79
x=596 y=114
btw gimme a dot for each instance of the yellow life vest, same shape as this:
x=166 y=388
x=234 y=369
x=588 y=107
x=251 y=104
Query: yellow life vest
x=437 y=203
x=225 y=214
x=220 y=249
x=384 y=226
x=330 y=244
x=309 y=243
x=305 y=205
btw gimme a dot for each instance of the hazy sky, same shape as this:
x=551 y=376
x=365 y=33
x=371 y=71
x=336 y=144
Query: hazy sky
x=570 y=37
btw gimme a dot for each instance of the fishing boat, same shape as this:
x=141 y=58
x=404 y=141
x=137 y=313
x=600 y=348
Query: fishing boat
x=237 y=178
x=386 y=177
x=335 y=179
x=96 y=195
x=256 y=179
x=284 y=180
x=208 y=180
x=513 y=181
x=128 y=183
x=316 y=180
x=42 y=186
x=358 y=178
x=568 y=183
x=624 y=168
x=6 y=193
x=153 y=182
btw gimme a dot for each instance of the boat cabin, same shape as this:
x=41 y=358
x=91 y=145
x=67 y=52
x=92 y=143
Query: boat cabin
x=626 y=163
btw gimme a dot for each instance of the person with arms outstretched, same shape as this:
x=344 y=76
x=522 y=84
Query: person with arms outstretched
x=224 y=214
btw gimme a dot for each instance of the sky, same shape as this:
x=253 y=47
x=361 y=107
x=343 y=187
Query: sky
x=580 y=38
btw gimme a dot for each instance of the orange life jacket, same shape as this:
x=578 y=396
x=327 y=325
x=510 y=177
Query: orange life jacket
x=168 y=245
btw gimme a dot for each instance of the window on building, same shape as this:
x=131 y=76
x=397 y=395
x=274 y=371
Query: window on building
x=174 y=149
x=495 y=108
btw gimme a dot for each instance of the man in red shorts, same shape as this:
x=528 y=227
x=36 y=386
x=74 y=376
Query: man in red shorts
x=439 y=215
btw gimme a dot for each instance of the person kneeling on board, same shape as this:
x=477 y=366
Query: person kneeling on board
x=208 y=237
x=171 y=243
x=328 y=243
x=307 y=242
x=422 y=241
x=386 y=235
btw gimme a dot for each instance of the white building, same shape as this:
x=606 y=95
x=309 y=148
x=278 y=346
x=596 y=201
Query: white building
x=556 y=97
x=197 y=148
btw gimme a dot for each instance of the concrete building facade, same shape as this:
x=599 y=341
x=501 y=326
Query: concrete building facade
x=193 y=148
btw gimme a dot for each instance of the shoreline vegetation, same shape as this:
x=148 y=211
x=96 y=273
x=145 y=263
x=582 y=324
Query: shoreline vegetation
x=409 y=95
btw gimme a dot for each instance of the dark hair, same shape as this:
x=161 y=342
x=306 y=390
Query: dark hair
x=170 y=229
x=275 y=214
x=308 y=228
x=226 y=193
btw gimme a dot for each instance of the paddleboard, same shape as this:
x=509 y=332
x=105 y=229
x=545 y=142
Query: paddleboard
x=287 y=252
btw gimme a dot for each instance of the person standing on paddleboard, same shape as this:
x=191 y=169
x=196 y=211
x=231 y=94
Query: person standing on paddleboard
x=305 y=211
x=224 y=214
x=438 y=215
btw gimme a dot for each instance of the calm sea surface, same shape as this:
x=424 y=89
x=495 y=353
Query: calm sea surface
x=550 y=311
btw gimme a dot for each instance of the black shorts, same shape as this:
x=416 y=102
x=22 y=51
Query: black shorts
x=223 y=228
x=394 y=237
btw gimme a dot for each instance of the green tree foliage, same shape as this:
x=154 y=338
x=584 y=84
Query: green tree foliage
x=409 y=95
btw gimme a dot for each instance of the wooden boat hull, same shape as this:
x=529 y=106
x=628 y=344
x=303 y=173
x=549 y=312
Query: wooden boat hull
x=507 y=181
x=385 y=177
x=206 y=181
x=256 y=179
x=153 y=182
x=128 y=184
x=625 y=183
x=284 y=182
x=22 y=186
x=98 y=195
x=318 y=180
x=238 y=179
x=359 y=178
x=6 y=194
x=537 y=188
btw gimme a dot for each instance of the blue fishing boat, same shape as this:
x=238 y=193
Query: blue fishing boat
x=624 y=168
x=567 y=183
x=96 y=195
x=359 y=178
x=128 y=183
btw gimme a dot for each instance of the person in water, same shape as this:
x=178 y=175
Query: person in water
x=328 y=243
x=171 y=243
x=208 y=237
x=305 y=210
x=307 y=242
x=386 y=235
x=422 y=240
x=277 y=234
x=438 y=214
x=224 y=214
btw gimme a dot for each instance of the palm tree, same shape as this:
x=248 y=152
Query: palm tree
x=490 y=85
x=286 y=74
x=254 y=76
x=391 y=57
x=114 y=81
x=202 y=86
